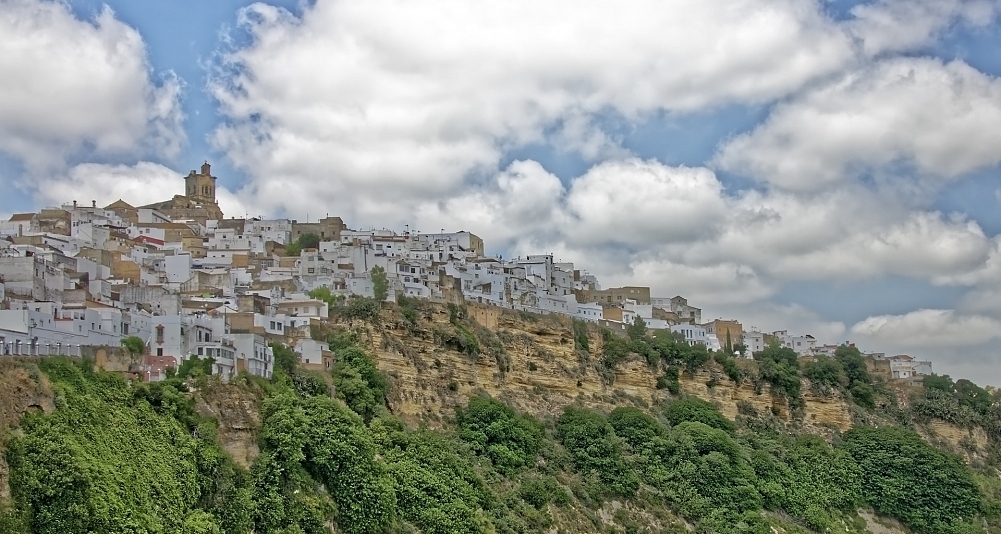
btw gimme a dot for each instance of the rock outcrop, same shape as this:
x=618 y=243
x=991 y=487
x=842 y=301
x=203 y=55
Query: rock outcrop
x=533 y=363
x=236 y=406
x=23 y=389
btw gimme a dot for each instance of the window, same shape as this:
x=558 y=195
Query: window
x=159 y=334
x=200 y=351
x=159 y=352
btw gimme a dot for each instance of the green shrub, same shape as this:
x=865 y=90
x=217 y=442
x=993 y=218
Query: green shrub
x=729 y=366
x=696 y=409
x=319 y=439
x=109 y=460
x=635 y=426
x=580 y=335
x=539 y=491
x=359 y=383
x=779 y=367
x=825 y=371
x=437 y=488
x=807 y=479
x=594 y=449
x=495 y=430
x=904 y=477
x=363 y=308
x=702 y=470
x=342 y=339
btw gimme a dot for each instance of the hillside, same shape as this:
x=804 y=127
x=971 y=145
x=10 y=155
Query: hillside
x=569 y=430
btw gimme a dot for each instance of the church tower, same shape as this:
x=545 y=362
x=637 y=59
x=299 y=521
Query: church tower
x=200 y=187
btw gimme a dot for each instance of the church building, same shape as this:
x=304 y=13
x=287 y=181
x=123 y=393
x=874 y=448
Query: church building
x=199 y=201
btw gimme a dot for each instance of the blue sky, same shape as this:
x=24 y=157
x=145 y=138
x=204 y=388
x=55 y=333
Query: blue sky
x=826 y=167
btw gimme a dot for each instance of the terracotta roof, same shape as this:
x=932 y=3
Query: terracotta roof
x=22 y=217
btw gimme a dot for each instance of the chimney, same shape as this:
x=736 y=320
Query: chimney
x=74 y=204
x=93 y=203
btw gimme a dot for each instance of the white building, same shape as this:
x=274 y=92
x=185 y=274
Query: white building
x=696 y=335
x=803 y=345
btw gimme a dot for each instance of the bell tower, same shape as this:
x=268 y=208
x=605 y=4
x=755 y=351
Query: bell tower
x=200 y=187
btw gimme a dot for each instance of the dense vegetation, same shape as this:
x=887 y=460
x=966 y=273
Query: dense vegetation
x=119 y=457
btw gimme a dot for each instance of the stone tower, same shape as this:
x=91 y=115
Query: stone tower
x=200 y=187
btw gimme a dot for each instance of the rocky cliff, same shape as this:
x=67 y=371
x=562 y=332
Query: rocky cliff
x=533 y=363
x=236 y=406
x=23 y=389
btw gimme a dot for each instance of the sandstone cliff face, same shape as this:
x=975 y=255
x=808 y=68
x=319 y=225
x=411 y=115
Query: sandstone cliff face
x=970 y=443
x=23 y=389
x=236 y=406
x=533 y=366
x=536 y=366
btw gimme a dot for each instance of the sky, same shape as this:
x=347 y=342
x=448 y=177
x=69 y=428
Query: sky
x=825 y=167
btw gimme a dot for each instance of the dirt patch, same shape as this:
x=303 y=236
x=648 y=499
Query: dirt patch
x=881 y=525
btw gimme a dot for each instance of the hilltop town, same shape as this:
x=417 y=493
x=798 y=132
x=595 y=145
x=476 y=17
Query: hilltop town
x=187 y=281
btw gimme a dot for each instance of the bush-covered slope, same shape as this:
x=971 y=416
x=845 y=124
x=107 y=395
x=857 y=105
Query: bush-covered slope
x=117 y=457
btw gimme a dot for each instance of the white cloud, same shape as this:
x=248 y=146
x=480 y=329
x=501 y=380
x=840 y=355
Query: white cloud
x=724 y=284
x=70 y=85
x=901 y=25
x=407 y=102
x=918 y=113
x=928 y=329
x=641 y=203
x=987 y=274
x=518 y=204
x=769 y=317
x=139 y=184
x=676 y=229
x=985 y=299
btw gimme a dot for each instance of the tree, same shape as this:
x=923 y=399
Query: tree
x=973 y=396
x=740 y=348
x=941 y=383
x=380 y=284
x=359 y=383
x=825 y=371
x=285 y=358
x=859 y=381
x=779 y=366
x=308 y=240
x=134 y=345
x=362 y=308
x=853 y=363
x=637 y=330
